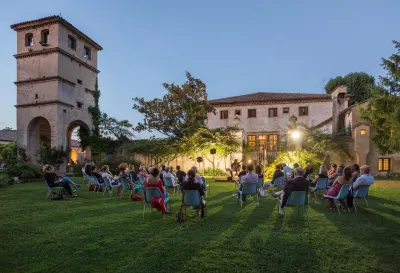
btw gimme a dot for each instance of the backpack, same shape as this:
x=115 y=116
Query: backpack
x=56 y=196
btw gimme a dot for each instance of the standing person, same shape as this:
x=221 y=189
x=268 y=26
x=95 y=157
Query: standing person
x=299 y=183
x=235 y=166
x=54 y=181
x=355 y=169
x=249 y=178
x=337 y=185
x=180 y=174
x=278 y=173
x=333 y=169
x=191 y=184
x=154 y=181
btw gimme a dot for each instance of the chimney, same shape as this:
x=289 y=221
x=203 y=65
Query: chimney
x=340 y=102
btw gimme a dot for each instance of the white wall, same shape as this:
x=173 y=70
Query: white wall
x=317 y=113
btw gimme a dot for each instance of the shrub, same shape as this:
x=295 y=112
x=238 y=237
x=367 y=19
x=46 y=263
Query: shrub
x=25 y=171
x=302 y=157
x=5 y=181
x=212 y=172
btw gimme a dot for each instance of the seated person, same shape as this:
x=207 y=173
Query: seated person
x=54 y=181
x=235 y=166
x=332 y=177
x=323 y=173
x=259 y=172
x=124 y=174
x=180 y=174
x=197 y=178
x=133 y=174
x=355 y=172
x=286 y=170
x=365 y=179
x=278 y=173
x=191 y=184
x=308 y=171
x=154 y=181
x=108 y=175
x=299 y=183
x=88 y=169
x=243 y=172
x=97 y=175
x=249 y=178
x=337 y=185
x=333 y=169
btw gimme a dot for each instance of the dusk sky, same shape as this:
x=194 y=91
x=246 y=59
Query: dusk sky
x=235 y=47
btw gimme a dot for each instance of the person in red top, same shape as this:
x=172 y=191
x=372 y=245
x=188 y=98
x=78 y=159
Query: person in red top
x=333 y=169
x=154 y=181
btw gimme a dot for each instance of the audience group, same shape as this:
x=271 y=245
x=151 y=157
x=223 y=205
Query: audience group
x=300 y=179
x=294 y=178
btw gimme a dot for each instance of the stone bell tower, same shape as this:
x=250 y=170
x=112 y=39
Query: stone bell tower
x=56 y=77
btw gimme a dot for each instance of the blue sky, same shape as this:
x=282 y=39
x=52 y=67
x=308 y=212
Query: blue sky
x=235 y=47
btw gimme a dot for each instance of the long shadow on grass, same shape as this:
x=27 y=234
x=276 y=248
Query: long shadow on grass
x=367 y=227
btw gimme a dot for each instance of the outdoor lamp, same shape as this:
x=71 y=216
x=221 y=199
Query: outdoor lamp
x=296 y=135
x=236 y=121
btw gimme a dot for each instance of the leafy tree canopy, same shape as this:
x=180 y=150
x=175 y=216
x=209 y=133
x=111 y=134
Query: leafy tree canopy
x=181 y=112
x=383 y=112
x=359 y=85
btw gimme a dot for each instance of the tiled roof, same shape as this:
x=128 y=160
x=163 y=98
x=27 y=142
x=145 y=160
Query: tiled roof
x=53 y=19
x=270 y=97
x=11 y=135
x=8 y=135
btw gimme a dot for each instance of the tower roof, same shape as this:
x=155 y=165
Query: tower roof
x=51 y=20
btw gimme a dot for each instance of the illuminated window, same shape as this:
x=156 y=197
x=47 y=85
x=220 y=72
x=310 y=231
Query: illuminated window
x=273 y=142
x=223 y=114
x=303 y=111
x=272 y=112
x=252 y=113
x=286 y=110
x=363 y=132
x=384 y=164
x=251 y=142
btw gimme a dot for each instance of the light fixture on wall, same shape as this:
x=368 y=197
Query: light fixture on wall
x=236 y=121
x=295 y=134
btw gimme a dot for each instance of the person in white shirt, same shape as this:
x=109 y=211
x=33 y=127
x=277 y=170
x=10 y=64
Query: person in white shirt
x=286 y=170
x=365 y=179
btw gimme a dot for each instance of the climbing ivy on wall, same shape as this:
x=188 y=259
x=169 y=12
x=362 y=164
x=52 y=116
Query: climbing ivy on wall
x=95 y=110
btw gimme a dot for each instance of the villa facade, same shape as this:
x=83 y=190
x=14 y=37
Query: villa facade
x=263 y=119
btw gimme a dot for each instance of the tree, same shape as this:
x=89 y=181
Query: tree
x=181 y=112
x=383 y=111
x=359 y=85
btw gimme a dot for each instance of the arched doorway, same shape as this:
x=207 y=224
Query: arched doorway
x=38 y=134
x=77 y=153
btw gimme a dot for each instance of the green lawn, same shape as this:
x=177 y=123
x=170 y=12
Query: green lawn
x=96 y=233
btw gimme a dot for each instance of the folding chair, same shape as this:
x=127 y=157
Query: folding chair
x=96 y=182
x=361 y=192
x=50 y=189
x=296 y=199
x=342 y=195
x=169 y=183
x=321 y=184
x=125 y=186
x=278 y=183
x=152 y=192
x=108 y=184
x=248 y=189
x=192 y=198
